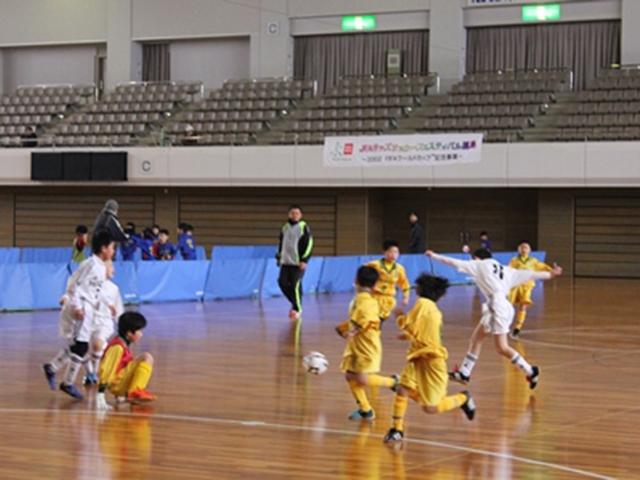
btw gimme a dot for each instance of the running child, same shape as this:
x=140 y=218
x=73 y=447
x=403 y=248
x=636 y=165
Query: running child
x=494 y=281
x=391 y=274
x=520 y=296
x=424 y=378
x=362 y=357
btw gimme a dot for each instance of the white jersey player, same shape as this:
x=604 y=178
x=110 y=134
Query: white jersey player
x=495 y=281
x=83 y=298
x=104 y=320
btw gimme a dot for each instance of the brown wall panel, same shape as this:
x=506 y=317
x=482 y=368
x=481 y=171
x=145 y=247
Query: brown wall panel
x=49 y=220
x=556 y=227
x=6 y=219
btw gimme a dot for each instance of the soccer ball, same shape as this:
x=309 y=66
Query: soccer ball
x=315 y=363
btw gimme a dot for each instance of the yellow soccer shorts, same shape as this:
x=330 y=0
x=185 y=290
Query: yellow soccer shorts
x=521 y=295
x=386 y=304
x=428 y=378
x=358 y=363
x=121 y=385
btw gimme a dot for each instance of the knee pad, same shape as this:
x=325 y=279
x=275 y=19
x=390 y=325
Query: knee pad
x=80 y=348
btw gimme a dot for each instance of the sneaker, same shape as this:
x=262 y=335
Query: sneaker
x=362 y=415
x=90 y=379
x=71 y=390
x=459 y=377
x=396 y=379
x=140 y=395
x=515 y=335
x=469 y=407
x=50 y=374
x=393 y=436
x=534 y=377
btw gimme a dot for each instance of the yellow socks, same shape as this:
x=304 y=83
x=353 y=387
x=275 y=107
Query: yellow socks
x=451 y=402
x=360 y=394
x=399 y=410
x=374 y=380
x=520 y=319
x=141 y=376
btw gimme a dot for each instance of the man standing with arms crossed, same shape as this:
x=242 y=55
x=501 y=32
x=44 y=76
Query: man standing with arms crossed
x=294 y=250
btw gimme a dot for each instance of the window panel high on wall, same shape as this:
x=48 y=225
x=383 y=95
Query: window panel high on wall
x=585 y=48
x=326 y=58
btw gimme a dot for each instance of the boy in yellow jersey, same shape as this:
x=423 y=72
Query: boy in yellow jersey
x=520 y=296
x=391 y=274
x=425 y=378
x=363 y=355
x=119 y=372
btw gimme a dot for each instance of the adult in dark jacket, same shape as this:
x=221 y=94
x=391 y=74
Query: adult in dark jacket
x=417 y=242
x=294 y=251
x=108 y=220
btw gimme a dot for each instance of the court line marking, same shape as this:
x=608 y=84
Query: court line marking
x=281 y=426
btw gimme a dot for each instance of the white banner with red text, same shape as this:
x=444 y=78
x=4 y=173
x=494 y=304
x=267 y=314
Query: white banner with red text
x=402 y=150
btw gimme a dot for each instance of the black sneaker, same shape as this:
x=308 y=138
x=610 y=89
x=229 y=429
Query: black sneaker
x=362 y=415
x=534 y=377
x=459 y=377
x=396 y=379
x=515 y=335
x=469 y=407
x=71 y=390
x=51 y=376
x=393 y=436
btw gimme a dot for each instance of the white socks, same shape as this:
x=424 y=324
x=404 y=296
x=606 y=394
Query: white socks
x=467 y=365
x=522 y=364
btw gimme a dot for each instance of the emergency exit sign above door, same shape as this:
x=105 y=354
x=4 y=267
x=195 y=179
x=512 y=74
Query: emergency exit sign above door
x=359 y=22
x=542 y=13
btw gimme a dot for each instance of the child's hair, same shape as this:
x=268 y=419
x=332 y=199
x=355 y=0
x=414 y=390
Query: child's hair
x=81 y=230
x=524 y=241
x=295 y=207
x=182 y=226
x=367 y=276
x=483 y=233
x=131 y=225
x=155 y=226
x=102 y=238
x=387 y=244
x=130 y=322
x=188 y=228
x=164 y=231
x=433 y=288
x=482 y=254
x=147 y=233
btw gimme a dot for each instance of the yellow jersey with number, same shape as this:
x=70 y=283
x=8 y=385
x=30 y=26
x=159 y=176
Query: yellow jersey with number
x=423 y=325
x=363 y=353
x=529 y=263
x=391 y=274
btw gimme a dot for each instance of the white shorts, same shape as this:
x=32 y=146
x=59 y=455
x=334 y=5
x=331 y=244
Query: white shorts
x=68 y=322
x=84 y=327
x=497 y=317
x=103 y=328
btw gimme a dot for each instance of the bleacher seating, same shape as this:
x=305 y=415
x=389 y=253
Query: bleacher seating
x=500 y=104
x=240 y=110
x=123 y=117
x=355 y=106
x=37 y=107
x=609 y=109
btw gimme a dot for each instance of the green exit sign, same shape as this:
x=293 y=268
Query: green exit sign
x=541 y=13
x=359 y=22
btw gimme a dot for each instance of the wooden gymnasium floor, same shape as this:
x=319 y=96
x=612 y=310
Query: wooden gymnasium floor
x=235 y=403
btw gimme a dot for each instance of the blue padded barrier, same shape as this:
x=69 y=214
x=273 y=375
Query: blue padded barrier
x=310 y=281
x=224 y=252
x=234 y=278
x=171 y=281
x=126 y=278
x=450 y=273
x=15 y=285
x=48 y=283
x=415 y=265
x=47 y=255
x=338 y=274
x=9 y=255
x=201 y=253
